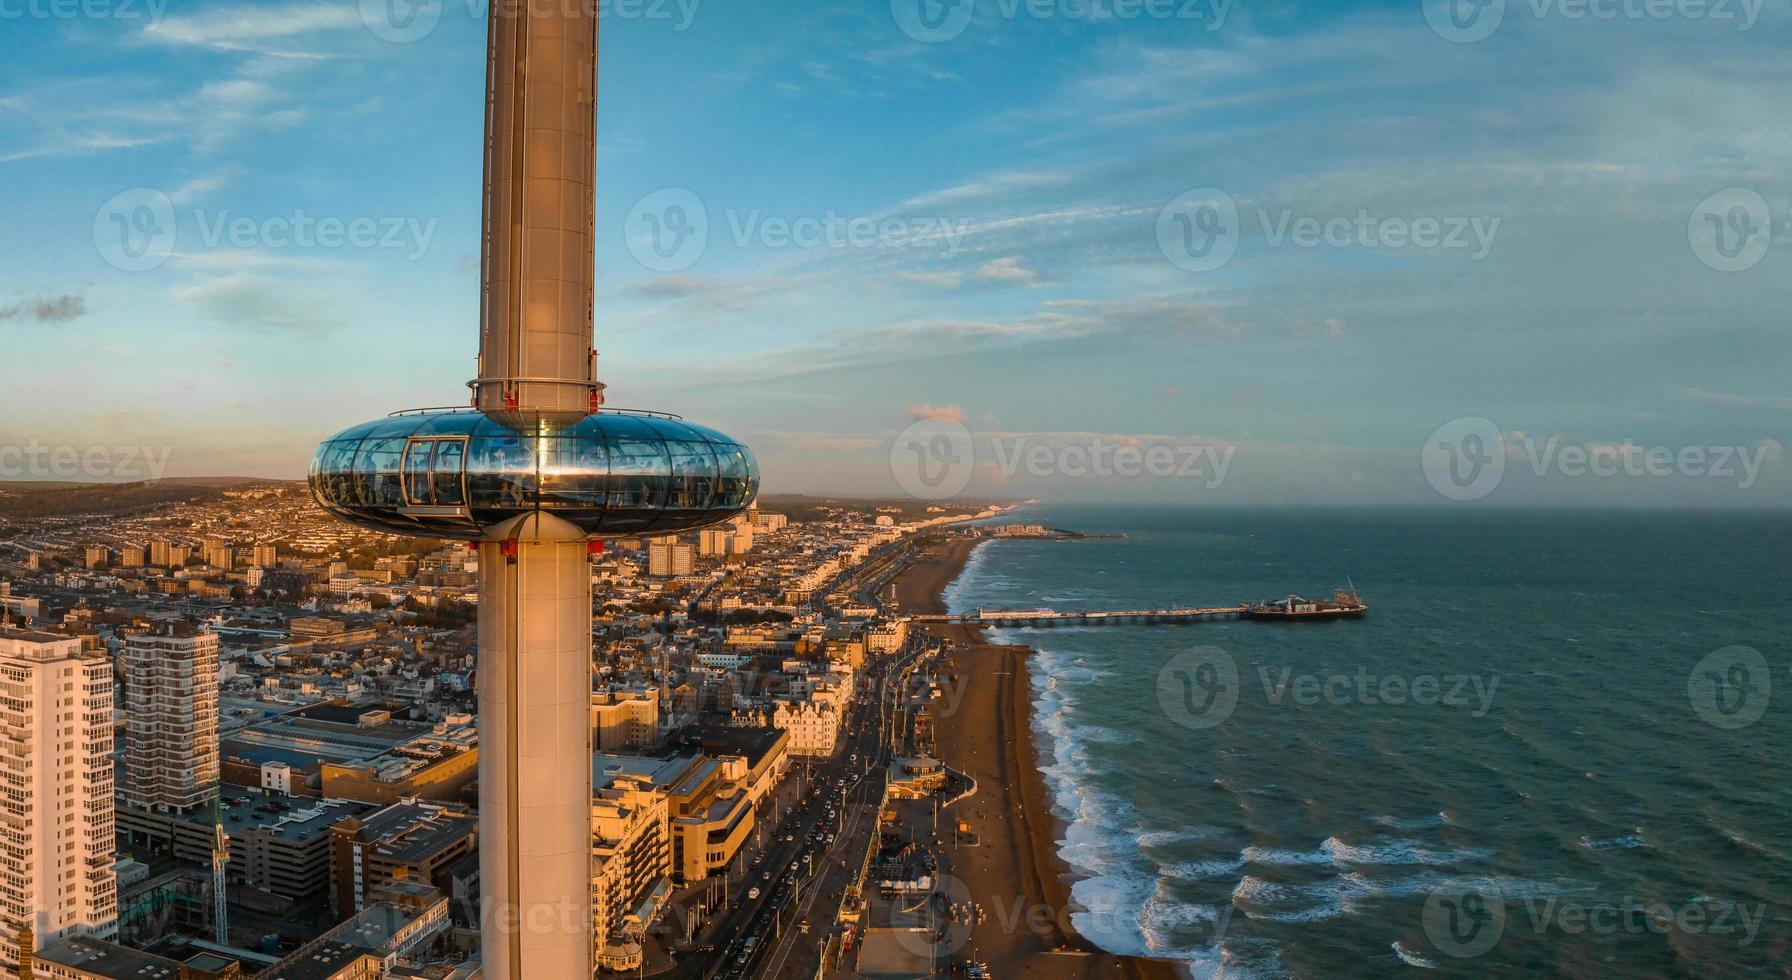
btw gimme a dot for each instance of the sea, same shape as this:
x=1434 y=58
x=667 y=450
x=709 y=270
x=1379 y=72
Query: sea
x=1559 y=744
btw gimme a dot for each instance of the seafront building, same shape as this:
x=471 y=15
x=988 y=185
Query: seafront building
x=631 y=866
x=171 y=718
x=56 y=789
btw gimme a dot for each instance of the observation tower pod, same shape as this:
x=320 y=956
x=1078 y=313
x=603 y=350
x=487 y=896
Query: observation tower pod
x=531 y=472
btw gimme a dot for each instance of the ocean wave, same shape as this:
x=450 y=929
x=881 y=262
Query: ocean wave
x=1274 y=901
x=1398 y=852
x=1164 y=838
x=1259 y=898
x=1162 y=919
x=1624 y=842
x=1198 y=870
x=1279 y=856
x=1103 y=735
x=1741 y=840
x=1411 y=823
x=1411 y=958
x=969 y=576
x=1111 y=910
x=1336 y=852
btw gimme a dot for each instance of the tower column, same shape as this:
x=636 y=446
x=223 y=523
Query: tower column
x=540 y=164
x=535 y=753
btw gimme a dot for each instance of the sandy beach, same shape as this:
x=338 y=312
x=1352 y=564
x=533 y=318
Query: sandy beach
x=1012 y=870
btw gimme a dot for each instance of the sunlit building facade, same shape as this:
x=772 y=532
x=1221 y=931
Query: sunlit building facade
x=56 y=792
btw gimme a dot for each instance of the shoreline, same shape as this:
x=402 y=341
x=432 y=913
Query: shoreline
x=989 y=731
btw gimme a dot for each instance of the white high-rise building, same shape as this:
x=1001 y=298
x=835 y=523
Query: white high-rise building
x=667 y=557
x=171 y=719
x=56 y=816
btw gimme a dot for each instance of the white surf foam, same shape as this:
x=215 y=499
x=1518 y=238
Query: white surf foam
x=1411 y=958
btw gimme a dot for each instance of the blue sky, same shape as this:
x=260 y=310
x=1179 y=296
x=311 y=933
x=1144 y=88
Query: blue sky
x=1029 y=173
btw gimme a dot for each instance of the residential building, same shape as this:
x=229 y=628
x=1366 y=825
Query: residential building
x=631 y=864
x=625 y=721
x=814 y=727
x=171 y=718
x=669 y=558
x=411 y=841
x=56 y=823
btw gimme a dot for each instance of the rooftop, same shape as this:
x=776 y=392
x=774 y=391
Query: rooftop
x=662 y=771
x=409 y=832
x=292 y=820
x=109 y=959
x=33 y=636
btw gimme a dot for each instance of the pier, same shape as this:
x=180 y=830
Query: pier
x=1093 y=617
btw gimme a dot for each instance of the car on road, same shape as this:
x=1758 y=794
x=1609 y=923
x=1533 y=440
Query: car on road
x=752 y=894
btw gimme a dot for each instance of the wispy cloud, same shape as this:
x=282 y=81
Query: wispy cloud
x=250 y=300
x=986 y=188
x=258 y=28
x=1752 y=401
x=58 y=146
x=47 y=309
x=1006 y=269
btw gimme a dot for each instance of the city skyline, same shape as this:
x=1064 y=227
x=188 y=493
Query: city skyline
x=1005 y=249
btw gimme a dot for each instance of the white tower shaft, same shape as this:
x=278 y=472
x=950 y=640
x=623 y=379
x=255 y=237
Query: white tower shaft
x=535 y=755
x=535 y=356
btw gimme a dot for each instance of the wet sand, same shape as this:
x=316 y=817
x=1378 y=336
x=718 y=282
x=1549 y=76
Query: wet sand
x=1013 y=871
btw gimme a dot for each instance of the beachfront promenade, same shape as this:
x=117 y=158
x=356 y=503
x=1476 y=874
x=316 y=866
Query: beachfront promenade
x=1091 y=617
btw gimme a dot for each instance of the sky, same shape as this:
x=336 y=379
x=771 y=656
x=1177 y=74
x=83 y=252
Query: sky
x=1439 y=253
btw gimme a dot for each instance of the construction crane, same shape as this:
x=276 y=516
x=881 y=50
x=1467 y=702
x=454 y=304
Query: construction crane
x=220 y=860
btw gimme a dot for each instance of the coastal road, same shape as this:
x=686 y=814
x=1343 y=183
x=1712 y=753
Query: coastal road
x=797 y=953
x=821 y=878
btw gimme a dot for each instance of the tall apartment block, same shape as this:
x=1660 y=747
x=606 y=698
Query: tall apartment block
x=171 y=719
x=667 y=557
x=164 y=553
x=56 y=816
